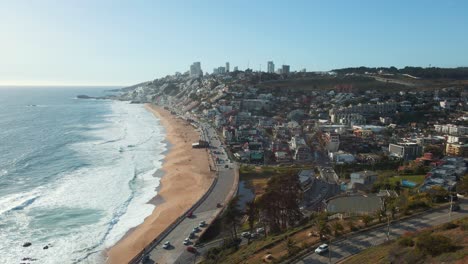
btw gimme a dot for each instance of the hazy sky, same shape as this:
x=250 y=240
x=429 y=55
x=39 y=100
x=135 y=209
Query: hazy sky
x=125 y=42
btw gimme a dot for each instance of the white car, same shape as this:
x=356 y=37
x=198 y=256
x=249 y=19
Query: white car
x=245 y=234
x=166 y=245
x=321 y=249
x=186 y=241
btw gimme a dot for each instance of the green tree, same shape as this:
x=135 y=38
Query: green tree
x=337 y=228
x=252 y=214
x=366 y=219
x=279 y=205
x=462 y=186
x=291 y=247
x=232 y=216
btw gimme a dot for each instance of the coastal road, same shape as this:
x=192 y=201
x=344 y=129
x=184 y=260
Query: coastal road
x=354 y=244
x=206 y=211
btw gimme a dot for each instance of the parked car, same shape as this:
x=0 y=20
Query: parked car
x=456 y=207
x=196 y=229
x=245 y=234
x=260 y=230
x=192 y=235
x=202 y=224
x=321 y=249
x=191 y=249
x=187 y=241
x=190 y=214
x=166 y=245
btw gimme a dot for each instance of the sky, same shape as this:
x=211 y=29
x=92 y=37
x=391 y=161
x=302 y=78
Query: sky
x=119 y=43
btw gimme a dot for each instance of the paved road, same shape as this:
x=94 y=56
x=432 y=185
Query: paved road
x=207 y=211
x=357 y=243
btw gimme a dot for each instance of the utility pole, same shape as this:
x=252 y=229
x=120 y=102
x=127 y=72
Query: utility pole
x=329 y=249
x=451 y=207
x=388 y=227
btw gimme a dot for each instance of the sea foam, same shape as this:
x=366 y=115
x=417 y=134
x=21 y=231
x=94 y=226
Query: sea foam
x=88 y=209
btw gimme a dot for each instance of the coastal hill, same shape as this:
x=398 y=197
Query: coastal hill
x=187 y=90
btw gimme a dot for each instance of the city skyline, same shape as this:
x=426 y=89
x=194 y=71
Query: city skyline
x=87 y=43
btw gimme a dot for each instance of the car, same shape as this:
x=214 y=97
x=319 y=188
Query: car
x=260 y=230
x=456 y=207
x=196 y=229
x=245 y=234
x=219 y=205
x=191 y=249
x=253 y=235
x=226 y=166
x=202 y=224
x=192 y=235
x=190 y=214
x=166 y=245
x=321 y=249
x=187 y=241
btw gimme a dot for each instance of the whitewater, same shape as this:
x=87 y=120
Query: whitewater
x=75 y=175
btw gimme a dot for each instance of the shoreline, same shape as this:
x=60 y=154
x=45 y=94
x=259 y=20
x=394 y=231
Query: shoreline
x=186 y=177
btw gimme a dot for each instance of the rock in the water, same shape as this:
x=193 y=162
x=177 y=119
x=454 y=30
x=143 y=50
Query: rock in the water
x=46 y=247
x=27 y=244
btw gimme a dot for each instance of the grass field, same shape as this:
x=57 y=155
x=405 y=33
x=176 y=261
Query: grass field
x=418 y=179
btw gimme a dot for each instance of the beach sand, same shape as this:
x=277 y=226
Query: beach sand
x=186 y=178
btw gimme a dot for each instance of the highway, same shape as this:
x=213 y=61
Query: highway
x=345 y=247
x=206 y=211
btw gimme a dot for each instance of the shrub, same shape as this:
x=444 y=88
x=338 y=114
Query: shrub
x=434 y=244
x=448 y=226
x=406 y=242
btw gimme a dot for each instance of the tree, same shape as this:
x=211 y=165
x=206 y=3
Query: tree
x=436 y=151
x=279 y=205
x=252 y=214
x=462 y=186
x=232 y=216
x=322 y=226
x=351 y=225
x=337 y=228
x=366 y=219
x=291 y=247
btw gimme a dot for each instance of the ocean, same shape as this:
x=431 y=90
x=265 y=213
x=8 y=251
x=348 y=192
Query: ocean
x=75 y=175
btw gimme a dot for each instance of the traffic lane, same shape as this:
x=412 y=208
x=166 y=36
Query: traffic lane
x=357 y=243
x=176 y=238
x=220 y=191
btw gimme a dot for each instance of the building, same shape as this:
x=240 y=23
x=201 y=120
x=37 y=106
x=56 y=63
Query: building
x=366 y=109
x=195 y=69
x=457 y=149
x=285 y=69
x=271 y=67
x=451 y=129
x=227 y=66
x=236 y=68
x=405 y=151
x=219 y=70
x=332 y=141
x=363 y=177
x=306 y=177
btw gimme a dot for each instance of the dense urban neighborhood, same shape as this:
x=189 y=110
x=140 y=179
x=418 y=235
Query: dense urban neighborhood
x=322 y=154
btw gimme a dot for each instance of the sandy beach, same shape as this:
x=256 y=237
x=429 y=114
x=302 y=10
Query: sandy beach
x=186 y=178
